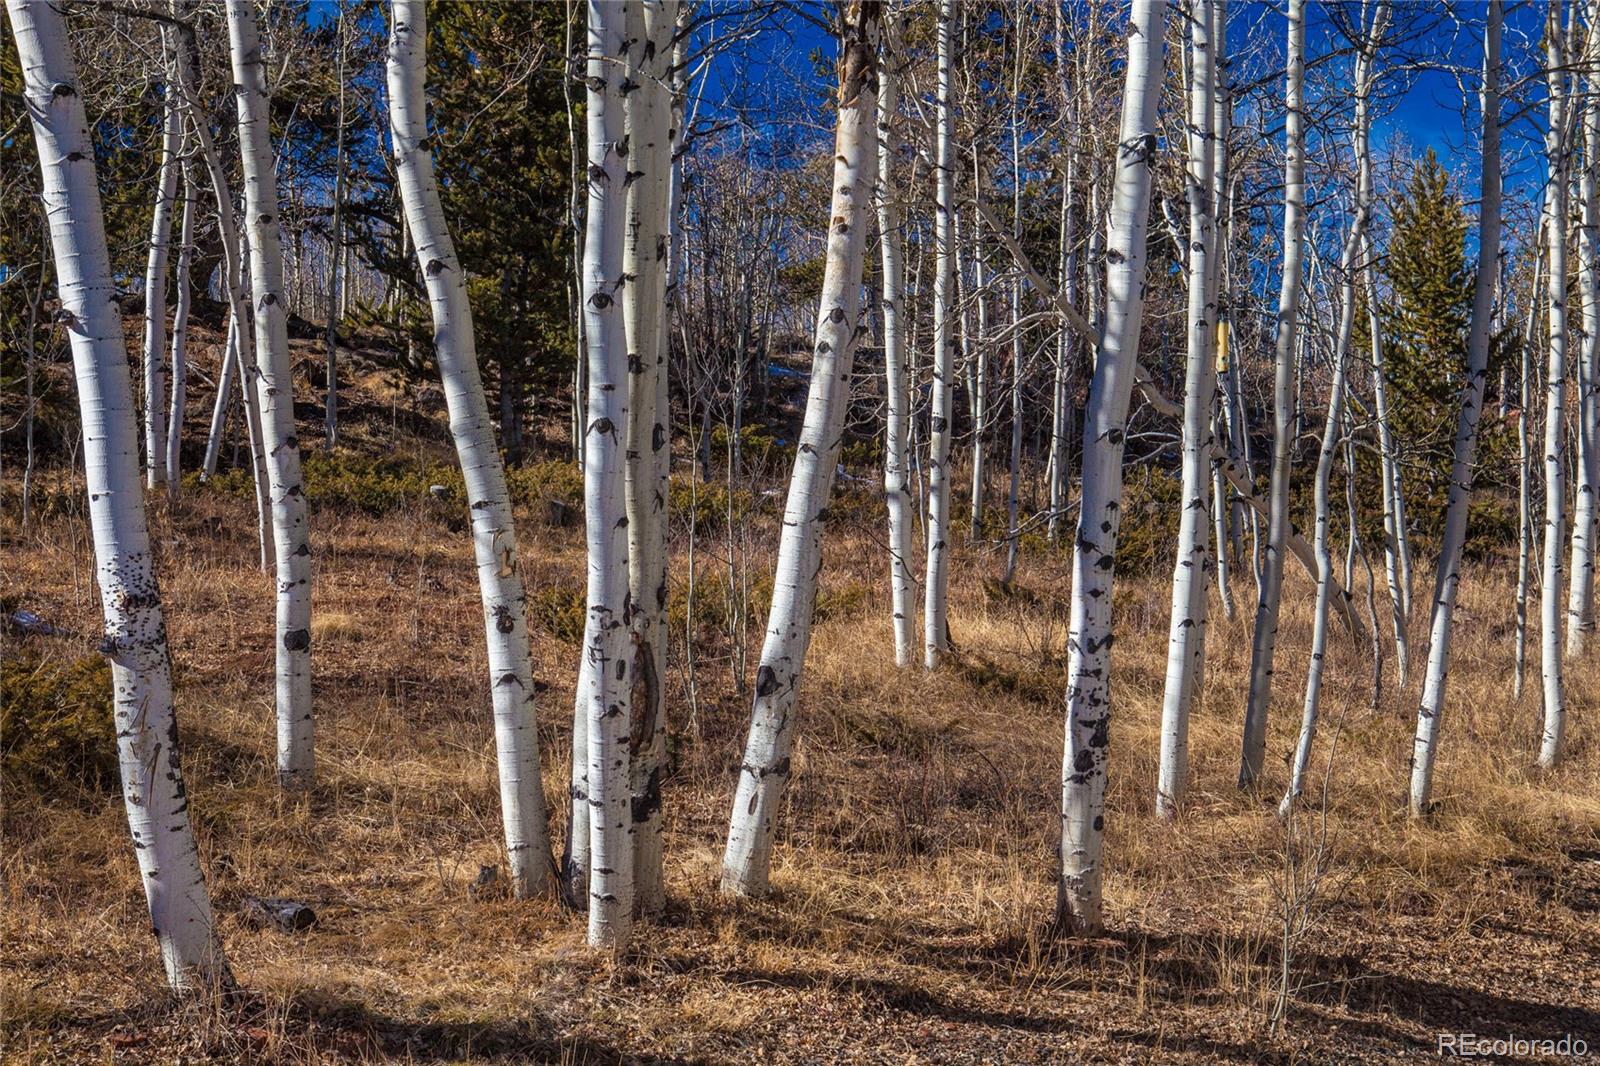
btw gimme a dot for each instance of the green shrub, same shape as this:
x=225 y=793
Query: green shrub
x=559 y=610
x=56 y=724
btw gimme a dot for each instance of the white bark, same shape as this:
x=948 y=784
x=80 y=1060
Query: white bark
x=1191 y=570
x=608 y=657
x=764 y=773
x=1283 y=402
x=136 y=637
x=1479 y=340
x=1088 y=720
x=1396 y=538
x=1556 y=148
x=180 y=339
x=644 y=301
x=155 y=287
x=219 y=412
x=275 y=394
x=896 y=369
x=494 y=539
x=1585 y=513
x=936 y=591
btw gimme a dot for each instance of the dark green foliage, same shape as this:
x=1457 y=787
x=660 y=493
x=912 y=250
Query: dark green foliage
x=56 y=725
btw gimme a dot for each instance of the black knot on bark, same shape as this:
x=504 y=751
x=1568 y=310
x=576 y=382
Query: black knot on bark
x=297 y=640
x=61 y=88
x=766 y=682
x=435 y=267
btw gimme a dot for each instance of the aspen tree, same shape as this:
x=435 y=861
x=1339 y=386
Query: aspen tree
x=935 y=611
x=608 y=658
x=1586 y=508
x=764 y=772
x=494 y=538
x=155 y=283
x=275 y=394
x=135 y=639
x=1479 y=340
x=651 y=141
x=1088 y=697
x=1556 y=155
x=1191 y=571
x=180 y=338
x=896 y=362
x=1283 y=402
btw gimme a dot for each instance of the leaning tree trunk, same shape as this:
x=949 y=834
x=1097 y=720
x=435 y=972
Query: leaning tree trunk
x=136 y=637
x=494 y=539
x=155 y=286
x=764 y=772
x=1083 y=771
x=651 y=146
x=1283 y=403
x=1479 y=340
x=1190 y=576
x=896 y=369
x=180 y=338
x=275 y=391
x=1586 y=508
x=608 y=665
x=1556 y=148
x=935 y=617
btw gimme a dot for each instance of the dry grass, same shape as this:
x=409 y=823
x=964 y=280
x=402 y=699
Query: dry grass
x=914 y=873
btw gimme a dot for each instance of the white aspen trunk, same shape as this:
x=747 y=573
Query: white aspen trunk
x=1186 y=635
x=1479 y=340
x=219 y=413
x=1088 y=698
x=1580 y=600
x=494 y=539
x=155 y=286
x=1221 y=123
x=896 y=367
x=935 y=620
x=1555 y=710
x=764 y=773
x=1396 y=540
x=180 y=340
x=644 y=302
x=135 y=638
x=275 y=393
x=1013 y=490
x=1283 y=403
x=608 y=658
x=330 y=409
x=1525 y=391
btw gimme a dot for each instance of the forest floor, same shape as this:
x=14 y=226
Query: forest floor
x=914 y=870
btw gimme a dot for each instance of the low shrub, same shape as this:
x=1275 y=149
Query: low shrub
x=56 y=726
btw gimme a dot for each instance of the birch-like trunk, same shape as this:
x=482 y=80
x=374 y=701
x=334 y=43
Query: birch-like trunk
x=275 y=393
x=1190 y=576
x=1556 y=148
x=608 y=658
x=1396 y=538
x=1088 y=698
x=1479 y=340
x=936 y=591
x=494 y=539
x=136 y=636
x=180 y=339
x=330 y=406
x=651 y=143
x=155 y=286
x=224 y=400
x=1585 y=512
x=896 y=367
x=764 y=773
x=1283 y=402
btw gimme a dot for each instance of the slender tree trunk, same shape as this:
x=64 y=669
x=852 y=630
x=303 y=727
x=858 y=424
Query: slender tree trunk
x=219 y=413
x=764 y=773
x=275 y=392
x=330 y=419
x=651 y=144
x=1190 y=571
x=180 y=339
x=1479 y=340
x=155 y=285
x=1555 y=710
x=896 y=366
x=1580 y=601
x=136 y=636
x=608 y=658
x=1083 y=773
x=494 y=539
x=1283 y=402
x=936 y=620
x=1013 y=491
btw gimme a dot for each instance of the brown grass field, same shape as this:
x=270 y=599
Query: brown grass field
x=915 y=869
